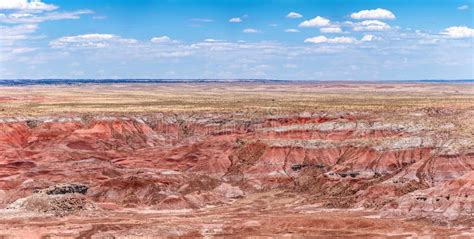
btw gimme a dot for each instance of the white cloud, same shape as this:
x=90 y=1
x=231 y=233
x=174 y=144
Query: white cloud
x=458 y=32
x=294 y=15
x=22 y=50
x=315 y=22
x=161 y=39
x=213 y=40
x=209 y=47
x=292 y=30
x=250 y=30
x=37 y=5
x=378 y=13
x=368 y=37
x=94 y=40
x=10 y=34
x=32 y=18
x=463 y=7
x=342 y=40
x=331 y=30
x=20 y=15
x=94 y=36
x=235 y=19
x=336 y=40
x=22 y=18
x=371 y=25
x=173 y=54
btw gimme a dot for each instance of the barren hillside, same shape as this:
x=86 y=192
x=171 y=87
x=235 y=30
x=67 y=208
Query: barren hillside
x=245 y=159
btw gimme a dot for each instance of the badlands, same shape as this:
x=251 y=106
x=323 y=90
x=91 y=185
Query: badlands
x=237 y=159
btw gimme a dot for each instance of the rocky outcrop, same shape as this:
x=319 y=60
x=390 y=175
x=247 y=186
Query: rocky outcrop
x=444 y=203
x=194 y=160
x=59 y=200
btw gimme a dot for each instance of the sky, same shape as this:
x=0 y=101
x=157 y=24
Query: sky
x=230 y=39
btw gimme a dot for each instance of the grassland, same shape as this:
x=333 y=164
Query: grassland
x=232 y=97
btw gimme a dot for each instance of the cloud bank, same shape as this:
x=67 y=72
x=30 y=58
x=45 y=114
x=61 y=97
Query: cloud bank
x=315 y=22
x=378 y=13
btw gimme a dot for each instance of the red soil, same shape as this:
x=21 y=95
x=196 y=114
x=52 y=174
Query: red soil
x=172 y=162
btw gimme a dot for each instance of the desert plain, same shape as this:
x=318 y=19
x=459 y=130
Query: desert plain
x=237 y=159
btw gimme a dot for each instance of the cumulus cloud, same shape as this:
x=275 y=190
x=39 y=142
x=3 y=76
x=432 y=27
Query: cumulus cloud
x=368 y=37
x=94 y=40
x=294 y=15
x=162 y=39
x=235 y=20
x=341 y=40
x=378 y=13
x=458 y=32
x=331 y=30
x=315 y=22
x=212 y=40
x=250 y=30
x=26 y=5
x=292 y=30
x=336 y=40
x=23 y=17
x=371 y=25
x=463 y=7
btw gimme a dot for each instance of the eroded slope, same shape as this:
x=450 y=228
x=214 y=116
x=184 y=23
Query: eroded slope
x=240 y=173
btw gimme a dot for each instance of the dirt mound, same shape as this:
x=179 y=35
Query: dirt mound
x=229 y=191
x=451 y=201
x=59 y=200
x=131 y=191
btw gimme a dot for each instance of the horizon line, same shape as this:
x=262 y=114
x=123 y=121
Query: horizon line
x=70 y=81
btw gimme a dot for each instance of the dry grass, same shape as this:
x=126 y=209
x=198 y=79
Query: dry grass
x=232 y=97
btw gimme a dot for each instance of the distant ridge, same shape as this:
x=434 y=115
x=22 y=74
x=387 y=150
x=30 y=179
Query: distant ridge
x=17 y=82
x=26 y=82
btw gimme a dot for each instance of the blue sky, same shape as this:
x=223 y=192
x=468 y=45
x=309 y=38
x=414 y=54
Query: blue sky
x=291 y=40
